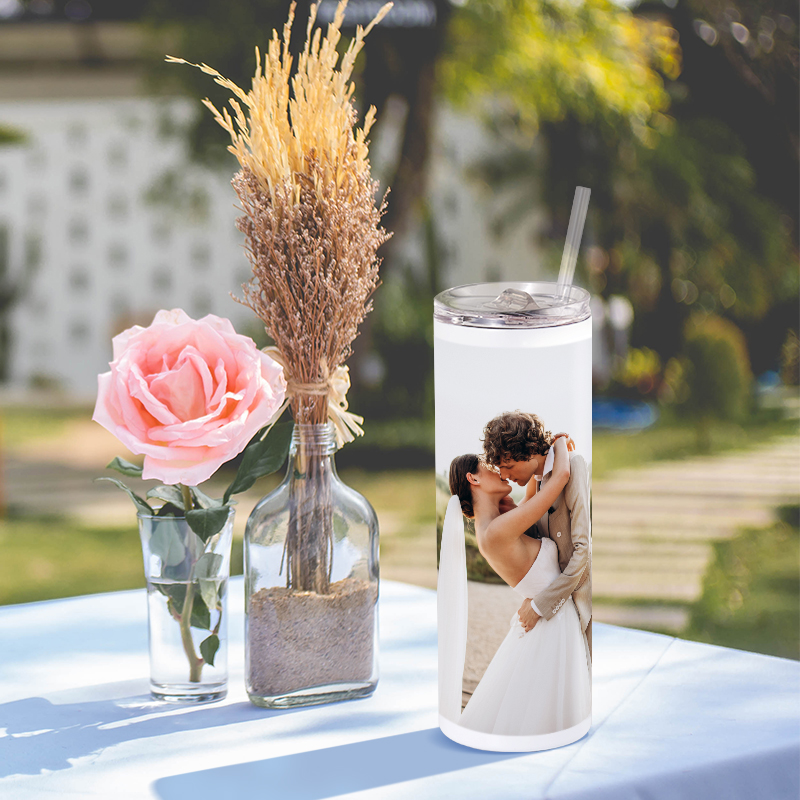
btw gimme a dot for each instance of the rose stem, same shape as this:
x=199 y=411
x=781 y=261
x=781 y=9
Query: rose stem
x=187 y=498
x=195 y=663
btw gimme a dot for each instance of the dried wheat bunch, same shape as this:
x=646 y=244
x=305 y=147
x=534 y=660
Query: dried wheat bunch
x=310 y=220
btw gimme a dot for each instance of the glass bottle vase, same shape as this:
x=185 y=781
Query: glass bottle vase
x=311 y=584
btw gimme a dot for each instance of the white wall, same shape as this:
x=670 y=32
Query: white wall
x=74 y=201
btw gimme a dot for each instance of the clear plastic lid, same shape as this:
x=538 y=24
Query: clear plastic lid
x=538 y=304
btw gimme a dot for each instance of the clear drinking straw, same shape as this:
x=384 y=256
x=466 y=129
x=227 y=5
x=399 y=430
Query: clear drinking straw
x=577 y=219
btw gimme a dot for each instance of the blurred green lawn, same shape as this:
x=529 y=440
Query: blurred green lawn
x=22 y=424
x=50 y=557
x=751 y=591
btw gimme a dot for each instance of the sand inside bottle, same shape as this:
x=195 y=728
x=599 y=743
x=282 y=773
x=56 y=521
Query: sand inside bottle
x=333 y=631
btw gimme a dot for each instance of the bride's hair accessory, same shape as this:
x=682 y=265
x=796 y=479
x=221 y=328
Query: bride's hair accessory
x=452 y=599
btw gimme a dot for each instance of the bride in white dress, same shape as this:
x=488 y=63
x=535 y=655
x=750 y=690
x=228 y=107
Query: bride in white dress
x=538 y=682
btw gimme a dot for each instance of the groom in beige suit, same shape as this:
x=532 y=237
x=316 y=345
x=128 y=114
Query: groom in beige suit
x=520 y=447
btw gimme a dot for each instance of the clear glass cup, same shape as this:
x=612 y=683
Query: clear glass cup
x=311 y=584
x=187 y=589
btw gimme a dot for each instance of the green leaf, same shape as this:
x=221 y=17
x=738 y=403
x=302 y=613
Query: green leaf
x=169 y=510
x=170 y=494
x=195 y=545
x=176 y=592
x=261 y=458
x=141 y=505
x=201 y=617
x=209 y=647
x=209 y=591
x=167 y=543
x=206 y=571
x=125 y=467
x=208 y=565
x=173 y=606
x=202 y=500
x=205 y=522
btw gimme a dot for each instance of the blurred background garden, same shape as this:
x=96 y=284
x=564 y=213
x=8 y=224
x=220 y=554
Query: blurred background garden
x=682 y=117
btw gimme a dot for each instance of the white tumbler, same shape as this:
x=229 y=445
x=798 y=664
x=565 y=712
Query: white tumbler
x=513 y=374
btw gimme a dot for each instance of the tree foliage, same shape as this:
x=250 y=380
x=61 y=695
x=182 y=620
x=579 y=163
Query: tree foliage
x=716 y=371
x=680 y=226
x=541 y=60
x=694 y=176
x=759 y=40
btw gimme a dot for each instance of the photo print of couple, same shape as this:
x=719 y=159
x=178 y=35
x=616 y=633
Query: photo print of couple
x=513 y=475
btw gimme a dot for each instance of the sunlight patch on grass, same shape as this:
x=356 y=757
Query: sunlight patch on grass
x=672 y=440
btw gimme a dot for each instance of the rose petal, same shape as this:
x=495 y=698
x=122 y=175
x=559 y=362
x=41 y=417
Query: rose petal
x=139 y=390
x=181 y=390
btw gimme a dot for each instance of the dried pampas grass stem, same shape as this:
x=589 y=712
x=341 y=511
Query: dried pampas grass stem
x=311 y=221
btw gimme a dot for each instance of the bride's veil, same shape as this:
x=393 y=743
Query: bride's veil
x=452 y=611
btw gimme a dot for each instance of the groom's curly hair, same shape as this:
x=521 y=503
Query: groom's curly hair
x=515 y=435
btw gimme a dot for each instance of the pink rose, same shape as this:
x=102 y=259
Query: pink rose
x=188 y=395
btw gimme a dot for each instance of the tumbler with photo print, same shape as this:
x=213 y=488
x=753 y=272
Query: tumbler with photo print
x=513 y=374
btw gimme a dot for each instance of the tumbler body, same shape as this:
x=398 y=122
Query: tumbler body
x=509 y=356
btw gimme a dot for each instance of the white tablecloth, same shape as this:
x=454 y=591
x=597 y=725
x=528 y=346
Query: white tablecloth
x=672 y=719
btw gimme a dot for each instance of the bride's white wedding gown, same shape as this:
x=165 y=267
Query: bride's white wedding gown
x=538 y=682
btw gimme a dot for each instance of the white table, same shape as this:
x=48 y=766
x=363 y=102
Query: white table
x=672 y=719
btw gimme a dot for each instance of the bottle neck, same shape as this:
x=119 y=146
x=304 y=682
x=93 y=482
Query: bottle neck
x=313 y=440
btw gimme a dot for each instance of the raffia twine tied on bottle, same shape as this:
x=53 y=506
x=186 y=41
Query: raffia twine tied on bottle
x=334 y=385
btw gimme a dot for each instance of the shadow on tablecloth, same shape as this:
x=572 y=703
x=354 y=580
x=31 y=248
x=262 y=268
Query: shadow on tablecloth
x=43 y=735
x=333 y=771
